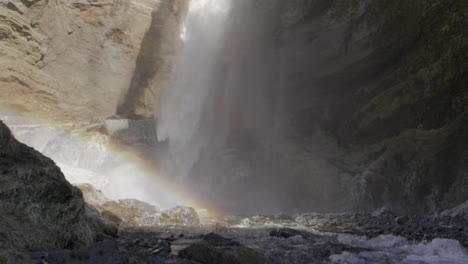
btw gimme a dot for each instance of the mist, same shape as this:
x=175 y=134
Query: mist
x=226 y=114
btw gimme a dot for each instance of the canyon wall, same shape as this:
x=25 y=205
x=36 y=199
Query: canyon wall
x=329 y=105
x=313 y=105
x=79 y=60
x=383 y=85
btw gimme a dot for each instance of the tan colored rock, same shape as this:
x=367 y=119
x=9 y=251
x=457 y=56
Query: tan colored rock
x=75 y=60
x=130 y=212
x=92 y=195
x=109 y=216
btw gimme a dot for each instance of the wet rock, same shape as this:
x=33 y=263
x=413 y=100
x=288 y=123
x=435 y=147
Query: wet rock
x=219 y=227
x=401 y=220
x=459 y=211
x=92 y=195
x=219 y=241
x=180 y=215
x=205 y=253
x=108 y=227
x=382 y=212
x=289 y=232
x=132 y=213
x=412 y=227
x=109 y=216
x=163 y=248
x=106 y=252
x=140 y=206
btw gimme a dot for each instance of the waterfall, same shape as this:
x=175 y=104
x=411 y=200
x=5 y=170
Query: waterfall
x=183 y=104
x=222 y=107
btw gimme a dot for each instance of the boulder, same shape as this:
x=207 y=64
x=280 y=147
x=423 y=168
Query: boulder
x=92 y=195
x=129 y=212
x=180 y=215
x=219 y=241
x=38 y=205
x=289 y=232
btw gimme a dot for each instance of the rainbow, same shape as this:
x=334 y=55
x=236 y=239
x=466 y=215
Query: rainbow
x=162 y=186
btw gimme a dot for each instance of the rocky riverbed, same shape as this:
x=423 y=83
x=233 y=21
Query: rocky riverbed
x=381 y=237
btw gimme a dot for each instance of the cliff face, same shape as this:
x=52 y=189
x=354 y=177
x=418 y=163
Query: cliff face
x=379 y=90
x=76 y=60
x=340 y=105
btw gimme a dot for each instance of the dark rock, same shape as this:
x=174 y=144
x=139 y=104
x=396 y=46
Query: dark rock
x=38 y=205
x=219 y=241
x=163 y=248
x=205 y=253
x=289 y=232
x=105 y=252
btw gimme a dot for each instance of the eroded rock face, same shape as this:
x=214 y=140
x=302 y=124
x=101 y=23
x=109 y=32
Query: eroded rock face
x=391 y=117
x=76 y=60
x=37 y=204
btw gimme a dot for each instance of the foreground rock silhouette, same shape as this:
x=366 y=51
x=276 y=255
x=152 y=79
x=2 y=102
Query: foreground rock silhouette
x=38 y=205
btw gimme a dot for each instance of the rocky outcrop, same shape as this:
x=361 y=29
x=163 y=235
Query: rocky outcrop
x=76 y=60
x=154 y=62
x=38 y=205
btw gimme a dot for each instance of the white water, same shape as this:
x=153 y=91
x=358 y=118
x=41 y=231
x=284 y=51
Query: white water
x=90 y=160
x=183 y=104
x=397 y=250
x=388 y=249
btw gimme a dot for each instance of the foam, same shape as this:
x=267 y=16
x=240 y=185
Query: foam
x=392 y=250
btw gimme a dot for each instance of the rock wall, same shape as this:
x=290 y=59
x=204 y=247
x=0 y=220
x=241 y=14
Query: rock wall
x=76 y=60
x=378 y=91
x=340 y=105
x=394 y=96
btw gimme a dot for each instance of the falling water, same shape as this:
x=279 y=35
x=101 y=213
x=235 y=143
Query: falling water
x=223 y=101
x=183 y=104
x=223 y=115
